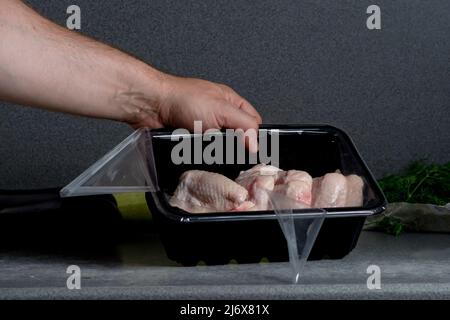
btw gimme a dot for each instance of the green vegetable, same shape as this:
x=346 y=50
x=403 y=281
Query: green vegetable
x=419 y=183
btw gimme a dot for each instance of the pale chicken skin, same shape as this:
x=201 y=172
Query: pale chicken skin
x=355 y=187
x=330 y=191
x=259 y=180
x=266 y=187
x=202 y=191
x=295 y=185
x=335 y=190
x=262 y=180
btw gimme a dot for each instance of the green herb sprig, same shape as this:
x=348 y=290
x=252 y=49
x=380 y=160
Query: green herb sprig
x=419 y=183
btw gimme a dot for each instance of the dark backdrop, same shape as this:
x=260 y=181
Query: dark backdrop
x=297 y=61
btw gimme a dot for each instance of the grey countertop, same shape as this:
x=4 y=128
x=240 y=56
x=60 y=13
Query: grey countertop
x=412 y=266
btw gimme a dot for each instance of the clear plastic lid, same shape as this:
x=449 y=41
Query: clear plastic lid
x=129 y=167
x=300 y=231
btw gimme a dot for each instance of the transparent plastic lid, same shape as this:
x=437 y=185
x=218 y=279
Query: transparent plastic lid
x=129 y=167
x=300 y=231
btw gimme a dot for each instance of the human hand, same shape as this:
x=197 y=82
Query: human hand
x=217 y=106
x=84 y=77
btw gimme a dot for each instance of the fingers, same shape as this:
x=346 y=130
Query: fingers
x=234 y=118
x=244 y=105
x=247 y=107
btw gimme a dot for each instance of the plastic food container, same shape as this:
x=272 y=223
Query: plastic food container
x=143 y=163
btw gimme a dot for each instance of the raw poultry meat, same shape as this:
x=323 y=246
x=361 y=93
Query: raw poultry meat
x=329 y=191
x=293 y=186
x=355 y=187
x=202 y=191
x=263 y=187
x=335 y=190
x=259 y=181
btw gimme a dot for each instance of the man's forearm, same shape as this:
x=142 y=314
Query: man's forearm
x=45 y=65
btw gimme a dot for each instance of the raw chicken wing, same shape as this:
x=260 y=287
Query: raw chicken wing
x=329 y=191
x=202 y=191
x=295 y=185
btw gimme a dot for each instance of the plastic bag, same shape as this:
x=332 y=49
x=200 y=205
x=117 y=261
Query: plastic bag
x=416 y=217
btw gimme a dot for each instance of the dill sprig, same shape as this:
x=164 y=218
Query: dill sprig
x=419 y=183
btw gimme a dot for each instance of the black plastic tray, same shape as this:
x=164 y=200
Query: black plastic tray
x=247 y=237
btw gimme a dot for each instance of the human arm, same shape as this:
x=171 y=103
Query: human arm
x=47 y=66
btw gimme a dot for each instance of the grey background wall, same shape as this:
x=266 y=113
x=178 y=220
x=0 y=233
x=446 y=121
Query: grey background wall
x=297 y=61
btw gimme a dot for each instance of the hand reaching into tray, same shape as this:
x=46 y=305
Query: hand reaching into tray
x=45 y=65
x=186 y=100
